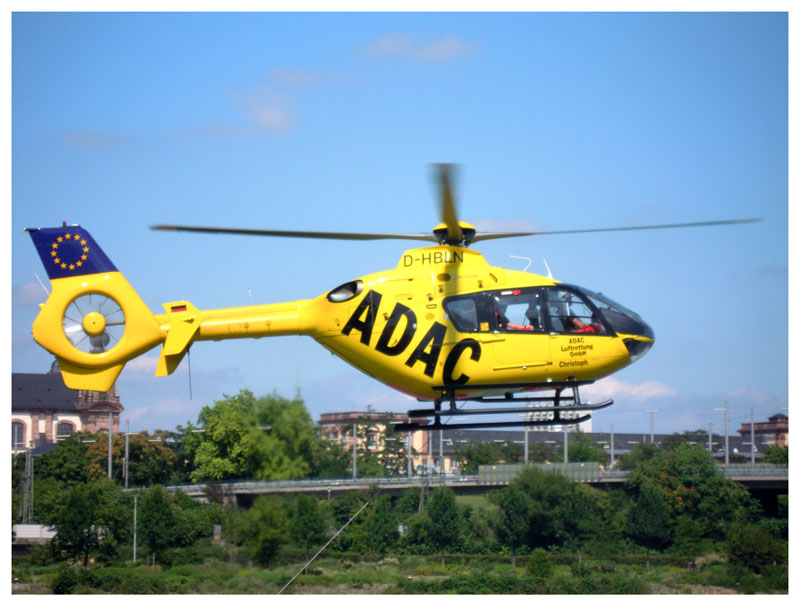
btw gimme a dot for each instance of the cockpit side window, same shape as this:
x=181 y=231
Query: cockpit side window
x=519 y=310
x=463 y=312
x=569 y=312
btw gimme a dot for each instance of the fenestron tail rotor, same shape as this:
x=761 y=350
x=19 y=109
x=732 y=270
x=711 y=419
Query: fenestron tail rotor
x=94 y=323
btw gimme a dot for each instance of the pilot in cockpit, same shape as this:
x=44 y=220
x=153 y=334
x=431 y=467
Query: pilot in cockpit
x=573 y=324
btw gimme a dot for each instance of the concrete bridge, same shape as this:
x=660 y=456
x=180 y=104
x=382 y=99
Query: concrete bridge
x=761 y=480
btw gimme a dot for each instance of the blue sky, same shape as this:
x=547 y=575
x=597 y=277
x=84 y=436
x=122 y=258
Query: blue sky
x=329 y=122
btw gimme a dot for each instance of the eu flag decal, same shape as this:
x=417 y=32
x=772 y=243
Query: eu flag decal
x=69 y=251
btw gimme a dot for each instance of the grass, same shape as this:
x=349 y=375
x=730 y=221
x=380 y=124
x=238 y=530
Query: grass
x=406 y=574
x=477 y=502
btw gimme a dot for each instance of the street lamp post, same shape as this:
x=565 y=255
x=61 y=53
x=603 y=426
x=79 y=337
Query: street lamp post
x=408 y=437
x=355 y=441
x=110 y=421
x=652 y=432
x=612 y=447
x=727 y=449
x=441 y=453
x=125 y=464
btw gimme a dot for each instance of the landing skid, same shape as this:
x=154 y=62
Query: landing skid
x=520 y=405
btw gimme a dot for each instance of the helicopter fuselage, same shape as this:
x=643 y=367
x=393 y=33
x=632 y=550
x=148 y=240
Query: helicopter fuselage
x=442 y=317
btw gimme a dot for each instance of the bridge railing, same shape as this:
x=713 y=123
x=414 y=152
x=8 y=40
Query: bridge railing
x=487 y=476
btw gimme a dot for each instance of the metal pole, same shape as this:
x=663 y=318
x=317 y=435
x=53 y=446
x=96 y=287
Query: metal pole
x=408 y=437
x=430 y=449
x=752 y=440
x=134 y=527
x=727 y=445
x=355 y=441
x=526 y=445
x=566 y=460
x=652 y=433
x=125 y=468
x=441 y=453
x=612 y=447
x=110 y=421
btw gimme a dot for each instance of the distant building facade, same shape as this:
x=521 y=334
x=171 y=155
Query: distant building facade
x=43 y=410
x=774 y=432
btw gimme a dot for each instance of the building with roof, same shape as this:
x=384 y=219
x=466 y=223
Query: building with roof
x=774 y=432
x=43 y=410
x=438 y=449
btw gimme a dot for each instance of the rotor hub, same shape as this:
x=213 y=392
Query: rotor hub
x=94 y=323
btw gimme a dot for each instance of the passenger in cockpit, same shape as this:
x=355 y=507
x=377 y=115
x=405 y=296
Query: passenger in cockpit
x=573 y=324
x=503 y=323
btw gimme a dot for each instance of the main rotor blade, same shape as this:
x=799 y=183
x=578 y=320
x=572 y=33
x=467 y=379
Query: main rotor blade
x=498 y=235
x=448 y=205
x=326 y=235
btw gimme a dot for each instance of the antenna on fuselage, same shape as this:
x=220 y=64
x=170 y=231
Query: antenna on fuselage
x=528 y=259
x=549 y=273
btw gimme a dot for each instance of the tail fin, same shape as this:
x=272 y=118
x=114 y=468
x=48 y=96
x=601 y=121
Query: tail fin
x=93 y=321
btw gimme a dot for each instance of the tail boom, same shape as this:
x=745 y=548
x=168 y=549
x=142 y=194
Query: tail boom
x=71 y=320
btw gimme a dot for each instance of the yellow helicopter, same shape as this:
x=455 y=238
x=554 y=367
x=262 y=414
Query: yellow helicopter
x=442 y=326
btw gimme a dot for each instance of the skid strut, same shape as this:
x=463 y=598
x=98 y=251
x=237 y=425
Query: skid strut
x=520 y=405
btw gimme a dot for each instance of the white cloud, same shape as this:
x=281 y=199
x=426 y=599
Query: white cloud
x=31 y=293
x=613 y=388
x=389 y=45
x=269 y=116
x=301 y=78
x=441 y=50
x=404 y=46
x=504 y=225
x=142 y=364
x=95 y=140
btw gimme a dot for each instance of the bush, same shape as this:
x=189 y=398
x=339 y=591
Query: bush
x=752 y=547
x=66 y=579
x=539 y=565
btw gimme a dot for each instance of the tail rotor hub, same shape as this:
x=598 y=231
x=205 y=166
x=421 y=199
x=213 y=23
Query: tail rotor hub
x=94 y=323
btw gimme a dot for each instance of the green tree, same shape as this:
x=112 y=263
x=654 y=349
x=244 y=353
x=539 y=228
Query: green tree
x=330 y=460
x=263 y=528
x=583 y=449
x=690 y=483
x=92 y=518
x=269 y=438
x=381 y=449
x=649 y=522
x=641 y=453
x=445 y=528
x=377 y=532
x=472 y=455
x=539 y=565
x=557 y=505
x=67 y=463
x=698 y=436
x=752 y=547
x=539 y=452
x=512 y=522
x=394 y=451
x=307 y=526
x=156 y=520
x=776 y=455
x=342 y=509
x=408 y=504
x=151 y=460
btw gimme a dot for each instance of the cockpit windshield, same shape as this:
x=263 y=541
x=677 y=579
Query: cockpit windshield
x=558 y=309
x=621 y=319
